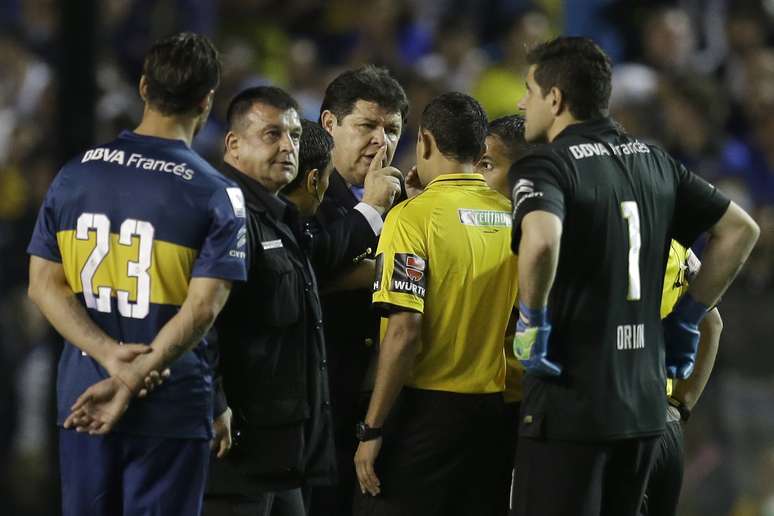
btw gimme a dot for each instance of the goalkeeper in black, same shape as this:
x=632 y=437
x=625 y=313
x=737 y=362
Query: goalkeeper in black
x=594 y=213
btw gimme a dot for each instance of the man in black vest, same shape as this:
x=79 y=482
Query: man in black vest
x=365 y=111
x=594 y=213
x=270 y=337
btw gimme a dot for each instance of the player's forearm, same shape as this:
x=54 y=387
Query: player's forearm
x=397 y=354
x=731 y=241
x=181 y=333
x=67 y=315
x=538 y=257
x=688 y=391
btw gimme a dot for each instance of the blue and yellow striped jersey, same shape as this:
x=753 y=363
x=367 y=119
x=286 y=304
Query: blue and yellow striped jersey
x=132 y=222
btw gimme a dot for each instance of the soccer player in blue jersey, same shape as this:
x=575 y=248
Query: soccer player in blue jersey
x=138 y=241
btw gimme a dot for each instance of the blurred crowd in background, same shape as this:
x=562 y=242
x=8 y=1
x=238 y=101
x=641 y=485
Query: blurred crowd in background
x=696 y=76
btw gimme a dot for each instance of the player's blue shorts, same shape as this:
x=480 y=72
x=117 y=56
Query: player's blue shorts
x=131 y=475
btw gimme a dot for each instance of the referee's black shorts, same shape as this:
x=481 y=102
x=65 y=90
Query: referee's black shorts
x=560 y=478
x=666 y=475
x=443 y=454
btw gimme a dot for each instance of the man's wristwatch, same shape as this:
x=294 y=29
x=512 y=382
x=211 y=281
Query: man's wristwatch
x=685 y=412
x=363 y=432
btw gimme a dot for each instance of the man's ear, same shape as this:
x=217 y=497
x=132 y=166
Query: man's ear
x=557 y=101
x=232 y=145
x=204 y=105
x=328 y=120
x=428 y=143
x=142 y=88
x=312 y=180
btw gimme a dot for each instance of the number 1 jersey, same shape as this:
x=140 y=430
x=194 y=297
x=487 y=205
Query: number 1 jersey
x=621 y=202
x=132 y=222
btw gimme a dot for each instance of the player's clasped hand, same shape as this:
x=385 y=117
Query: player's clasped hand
x=530 y=345
x=681 y=337
x=100 y=407
x=382 y=184
x=118 y=363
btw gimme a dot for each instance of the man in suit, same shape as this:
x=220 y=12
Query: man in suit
x=365 y=111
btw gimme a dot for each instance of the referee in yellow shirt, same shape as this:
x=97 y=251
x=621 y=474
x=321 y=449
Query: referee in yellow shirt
x=444 y=274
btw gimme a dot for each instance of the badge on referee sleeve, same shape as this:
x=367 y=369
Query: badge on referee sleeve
x=409 y=275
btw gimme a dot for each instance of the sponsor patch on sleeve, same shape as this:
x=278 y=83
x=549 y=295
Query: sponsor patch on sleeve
x=409 y=275
x=523 y=190
x=239 y=250
x=237 y=201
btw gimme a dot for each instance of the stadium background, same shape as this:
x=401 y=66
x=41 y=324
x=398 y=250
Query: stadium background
x=696 y=76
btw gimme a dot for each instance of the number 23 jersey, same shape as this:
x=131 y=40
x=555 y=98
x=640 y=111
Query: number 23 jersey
x=621 y=202
x=132 y=222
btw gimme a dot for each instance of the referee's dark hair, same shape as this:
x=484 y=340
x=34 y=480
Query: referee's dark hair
x=314 y=152
x=369 y=83
x=180 y=71
x=579 y=68
x=510 y=130
x=246 y=99
x=458 y=125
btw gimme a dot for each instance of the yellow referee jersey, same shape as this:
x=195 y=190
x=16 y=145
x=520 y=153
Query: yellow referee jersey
x=446 y=254
x=682 y=265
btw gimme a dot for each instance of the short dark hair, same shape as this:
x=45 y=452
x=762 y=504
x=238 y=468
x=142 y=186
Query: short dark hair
x=246 y=99
x=368 y=83
x=180 y=71
x=510 y=130
x=579 y=68
x=314 y=152
x=458 y=124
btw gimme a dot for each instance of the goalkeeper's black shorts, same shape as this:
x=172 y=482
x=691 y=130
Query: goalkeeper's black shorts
x=666 y=475
x=561 y=478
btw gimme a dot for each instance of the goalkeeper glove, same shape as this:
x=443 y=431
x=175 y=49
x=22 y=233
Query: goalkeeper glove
x=530 y=345
x=681 y=336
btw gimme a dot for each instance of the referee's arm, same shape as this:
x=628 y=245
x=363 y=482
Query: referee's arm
x=397 y=352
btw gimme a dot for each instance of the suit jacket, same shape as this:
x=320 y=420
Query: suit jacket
x=351 y=327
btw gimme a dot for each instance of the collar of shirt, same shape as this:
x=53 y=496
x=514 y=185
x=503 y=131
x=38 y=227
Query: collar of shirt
x=357 y=191
x=594 y=126
x=155 y=140
x=472 y=179
x=255 y=194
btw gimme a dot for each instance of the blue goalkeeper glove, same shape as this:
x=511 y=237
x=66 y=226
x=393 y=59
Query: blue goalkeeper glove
x=681 y=336
x=530 y=345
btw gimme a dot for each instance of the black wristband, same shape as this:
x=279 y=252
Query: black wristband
x=685 y=412
x=363 y=432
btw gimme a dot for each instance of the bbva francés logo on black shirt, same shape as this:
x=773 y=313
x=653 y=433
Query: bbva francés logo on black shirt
x=409 y=274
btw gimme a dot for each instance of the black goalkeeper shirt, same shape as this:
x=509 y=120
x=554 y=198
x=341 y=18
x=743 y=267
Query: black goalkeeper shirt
x=621 y=202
